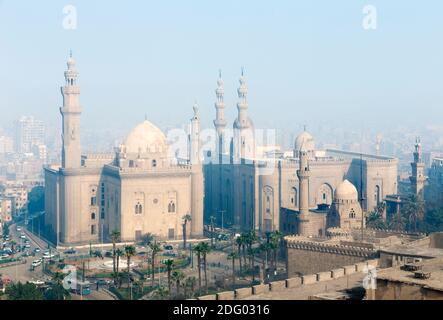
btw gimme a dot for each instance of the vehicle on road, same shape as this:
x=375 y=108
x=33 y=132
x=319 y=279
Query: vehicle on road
x=70 y=251
x=37 y=282
x=36 y=263
x=37 y=250
x=48 y=256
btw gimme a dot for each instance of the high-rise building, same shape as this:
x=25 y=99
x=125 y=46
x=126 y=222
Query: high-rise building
x=28 y=133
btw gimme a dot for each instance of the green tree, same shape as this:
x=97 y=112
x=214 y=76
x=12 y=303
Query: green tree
x=212 y=224
x=186 y=219
x=413 y=212
x=240 y=243
x=198 y=249
x=20 y=291
x=129 y=253
x=169 y=265
x=147 y=239
x=36 y=200
x=232 y=256
x=190 y=283
x=115 y=237
x=155 y=249
x=178 y=277
x=274 y=244
x=205 y=249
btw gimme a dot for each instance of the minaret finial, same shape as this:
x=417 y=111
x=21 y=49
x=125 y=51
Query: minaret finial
x=70 y=53
x=242 y=71
x=219 y=73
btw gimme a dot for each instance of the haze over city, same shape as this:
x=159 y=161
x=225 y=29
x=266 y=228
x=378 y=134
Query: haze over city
x=227 y=151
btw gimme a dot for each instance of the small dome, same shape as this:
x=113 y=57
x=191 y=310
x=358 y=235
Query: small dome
x=346 y=191
x=306 y=141
x=145 y=137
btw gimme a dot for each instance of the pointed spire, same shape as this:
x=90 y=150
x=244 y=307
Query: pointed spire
x=195 y=108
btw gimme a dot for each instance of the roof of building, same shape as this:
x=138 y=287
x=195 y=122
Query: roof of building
x=432 y=266
x=145 y=137
x=346 y=191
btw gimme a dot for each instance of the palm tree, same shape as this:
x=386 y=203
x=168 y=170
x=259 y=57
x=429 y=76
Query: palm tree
x=240 y=242
x=251 y=238
x=155 y=248
x=147 y=239
x=178 y=277
x=414 y=210
x=190 y=283
x=169 y=265
x=58 y=277
x=232 y=256
x=129 y=252
x=119 y=253
x=205 y=249
x=186 y=218
x=264 y=249
x=115 y=237
x=198 y=249
x=251 y=253
x=275 y=240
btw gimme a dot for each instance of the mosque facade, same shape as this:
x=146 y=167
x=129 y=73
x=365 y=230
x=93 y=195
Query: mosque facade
x=135 y=190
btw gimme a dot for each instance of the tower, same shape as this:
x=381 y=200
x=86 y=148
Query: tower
x=244 y=142
x=303 y=174
x=197 y=191
x=418 y=169
x=220 y=122
x=71 y=112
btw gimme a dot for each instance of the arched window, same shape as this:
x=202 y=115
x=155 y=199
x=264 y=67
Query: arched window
x=138 y=208
x=377 y=195
x=93 y=216
x=352 y=214
x=154 y=163
x=171 y=207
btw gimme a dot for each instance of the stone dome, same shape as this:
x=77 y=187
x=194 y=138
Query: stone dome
x=145 y=138
x=306 y=141
x=346 y=191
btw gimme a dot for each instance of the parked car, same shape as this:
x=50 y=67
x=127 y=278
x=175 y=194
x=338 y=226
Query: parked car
x=36 y=263
x=70 y=251
x=37 y=250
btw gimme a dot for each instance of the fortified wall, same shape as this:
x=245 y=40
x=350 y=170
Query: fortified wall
x=311 y=257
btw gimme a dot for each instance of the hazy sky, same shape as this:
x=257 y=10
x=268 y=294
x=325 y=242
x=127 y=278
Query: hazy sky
x=305 y=61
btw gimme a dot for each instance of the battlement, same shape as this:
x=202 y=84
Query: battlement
x=301 y=243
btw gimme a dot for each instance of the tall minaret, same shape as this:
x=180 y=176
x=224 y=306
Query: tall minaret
x=197 y=190
x=418 y=171
x=71 y=111
x=244 y=146
x=220 y=122
x=194 y=137
x=303 y=174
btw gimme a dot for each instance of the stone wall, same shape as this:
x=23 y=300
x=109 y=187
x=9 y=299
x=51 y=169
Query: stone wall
x=305 y=257
x=291 y=283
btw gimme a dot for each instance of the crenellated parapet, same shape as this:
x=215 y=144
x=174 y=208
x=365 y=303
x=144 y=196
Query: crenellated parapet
x=301 y=243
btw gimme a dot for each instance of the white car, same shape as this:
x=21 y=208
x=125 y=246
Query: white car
x=37 y=282
x=19 y=229
x=48 y=256
x=36 y=263
x=22 y=236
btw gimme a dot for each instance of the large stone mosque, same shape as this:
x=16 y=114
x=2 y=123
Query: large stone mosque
x=136 y=190
x=305 y=192
x=141 y=189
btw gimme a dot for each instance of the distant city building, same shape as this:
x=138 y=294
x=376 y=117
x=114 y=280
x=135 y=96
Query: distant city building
x=6 y=209
x=6 y=145
x=28 y=133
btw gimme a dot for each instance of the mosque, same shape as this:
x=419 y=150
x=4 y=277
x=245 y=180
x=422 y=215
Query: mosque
x=305 y=191
x=138 y=189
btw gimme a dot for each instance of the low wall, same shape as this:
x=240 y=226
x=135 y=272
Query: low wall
x=292 y=283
